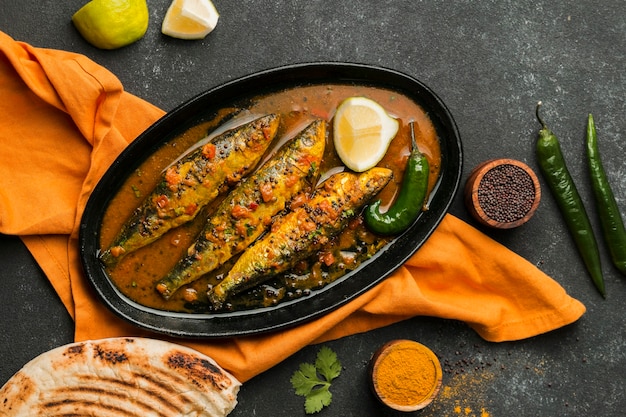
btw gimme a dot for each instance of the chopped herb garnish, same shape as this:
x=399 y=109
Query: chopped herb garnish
x=136 y=191
x=347 y=214
x=315 y=233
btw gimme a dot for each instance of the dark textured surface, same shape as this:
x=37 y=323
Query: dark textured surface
x=490 y=62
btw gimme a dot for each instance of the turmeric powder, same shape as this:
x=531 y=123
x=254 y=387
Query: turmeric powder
x=406 y=375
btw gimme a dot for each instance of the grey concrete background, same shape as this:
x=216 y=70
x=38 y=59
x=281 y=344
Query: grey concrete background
x=490 y=61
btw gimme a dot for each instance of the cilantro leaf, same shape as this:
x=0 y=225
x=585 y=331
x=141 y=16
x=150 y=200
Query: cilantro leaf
x=327 y=364
x=305 y=379
x=317 y=399
x=313 y=381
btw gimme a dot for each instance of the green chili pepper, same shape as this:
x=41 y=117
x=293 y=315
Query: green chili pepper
x=410 y=200
x=610 y=217
x=568 y=199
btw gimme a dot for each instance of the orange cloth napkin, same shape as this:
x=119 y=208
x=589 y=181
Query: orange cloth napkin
x=64 y=119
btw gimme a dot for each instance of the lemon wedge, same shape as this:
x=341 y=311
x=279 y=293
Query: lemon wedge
x=190 y=19
x=362 y=132
x=111 y=24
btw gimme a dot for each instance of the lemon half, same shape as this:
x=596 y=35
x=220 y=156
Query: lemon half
x=362 y=132
x=190 y=19
x=111 y=24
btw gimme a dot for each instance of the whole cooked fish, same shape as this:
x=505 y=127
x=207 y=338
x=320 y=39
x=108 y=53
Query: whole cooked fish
x=248 y=210
x=302 y=231
x=192 y=182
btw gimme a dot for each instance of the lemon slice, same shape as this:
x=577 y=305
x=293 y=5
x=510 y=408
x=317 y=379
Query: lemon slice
x=362 y=132
x=190 y=19
x=111 y=24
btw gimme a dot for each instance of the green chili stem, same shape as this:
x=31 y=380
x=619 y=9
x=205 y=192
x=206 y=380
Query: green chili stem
x=543 y=124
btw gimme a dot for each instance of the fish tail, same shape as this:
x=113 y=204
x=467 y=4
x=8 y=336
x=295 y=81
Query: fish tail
x=107 y=259
x=112 y=256
x=217 y=296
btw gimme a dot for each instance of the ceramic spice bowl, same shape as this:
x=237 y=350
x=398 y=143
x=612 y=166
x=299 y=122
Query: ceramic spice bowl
x=502 y=193
x=405 y=375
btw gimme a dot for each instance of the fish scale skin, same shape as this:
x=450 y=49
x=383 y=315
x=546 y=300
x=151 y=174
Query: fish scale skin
x=302 y=231
x=192 y=182
x=245 y=214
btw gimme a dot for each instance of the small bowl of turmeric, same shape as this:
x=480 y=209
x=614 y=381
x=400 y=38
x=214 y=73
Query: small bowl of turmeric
x=405 y=375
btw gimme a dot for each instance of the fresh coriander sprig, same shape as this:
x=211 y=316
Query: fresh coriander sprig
x=313 y=381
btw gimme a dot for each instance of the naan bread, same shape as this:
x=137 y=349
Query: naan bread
x=120 y=377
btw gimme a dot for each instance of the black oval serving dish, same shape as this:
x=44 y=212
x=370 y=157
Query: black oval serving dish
x=289 y=313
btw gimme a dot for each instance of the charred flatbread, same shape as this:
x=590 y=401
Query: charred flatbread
x=120 y=377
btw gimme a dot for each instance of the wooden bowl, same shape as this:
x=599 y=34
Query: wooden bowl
x=405 y=375
x=502 y=193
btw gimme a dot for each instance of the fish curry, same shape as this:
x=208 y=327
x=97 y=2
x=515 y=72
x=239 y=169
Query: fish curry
x=137 y=274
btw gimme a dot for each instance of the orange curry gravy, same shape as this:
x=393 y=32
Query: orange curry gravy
x=136 y=274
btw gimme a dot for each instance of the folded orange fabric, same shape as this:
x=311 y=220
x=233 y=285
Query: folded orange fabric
x=64 y=119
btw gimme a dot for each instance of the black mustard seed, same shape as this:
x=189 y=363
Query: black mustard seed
x=506 y=193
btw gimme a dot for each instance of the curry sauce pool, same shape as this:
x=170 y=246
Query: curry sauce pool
x=135 y=276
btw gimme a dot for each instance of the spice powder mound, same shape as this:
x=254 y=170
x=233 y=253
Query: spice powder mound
x=407 y=374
